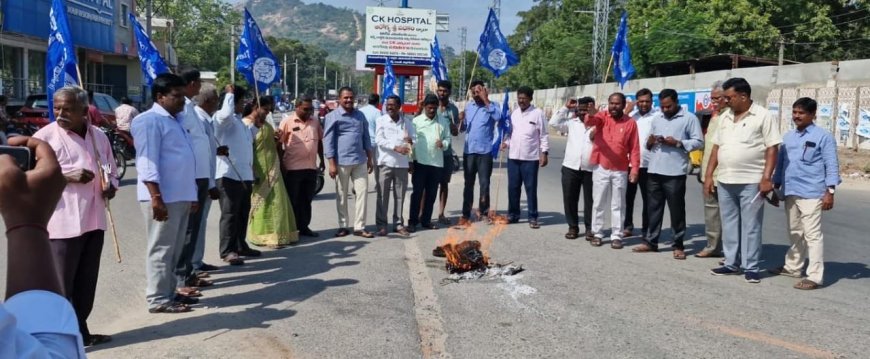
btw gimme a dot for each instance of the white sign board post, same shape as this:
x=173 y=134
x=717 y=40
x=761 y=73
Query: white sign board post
x=401 y=34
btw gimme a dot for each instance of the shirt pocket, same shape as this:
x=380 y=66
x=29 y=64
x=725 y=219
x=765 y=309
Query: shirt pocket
x=810 y=154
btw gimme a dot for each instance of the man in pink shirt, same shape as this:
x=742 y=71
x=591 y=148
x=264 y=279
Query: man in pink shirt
x=77 y=227
x=615 y=147
x=528 y=144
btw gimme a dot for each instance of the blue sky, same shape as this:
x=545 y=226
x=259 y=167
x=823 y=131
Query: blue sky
x=468 y=13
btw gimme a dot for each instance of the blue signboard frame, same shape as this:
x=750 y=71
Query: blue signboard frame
x=398 y=60
x=92 y=22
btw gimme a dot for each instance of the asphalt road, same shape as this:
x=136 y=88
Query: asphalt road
x=386 y=298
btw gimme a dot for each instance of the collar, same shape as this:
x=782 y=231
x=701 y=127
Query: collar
x=679 y=113
x=528 y=109
x=160 y=110
x=342 y=112
x=807 y=130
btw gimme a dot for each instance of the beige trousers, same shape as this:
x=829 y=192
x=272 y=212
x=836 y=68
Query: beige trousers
x=712 y=224
x=804 y=218
x=358 y=177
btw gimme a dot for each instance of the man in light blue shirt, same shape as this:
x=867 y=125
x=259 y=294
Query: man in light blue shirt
x=807 y=174
x=674 y=133
x=478 y=123
x=166 y=190
x=348 y=149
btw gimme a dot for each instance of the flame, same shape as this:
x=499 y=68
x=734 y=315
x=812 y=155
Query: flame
x=459 y=239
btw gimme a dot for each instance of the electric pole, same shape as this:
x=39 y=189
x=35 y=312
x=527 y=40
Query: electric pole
x=781 y=50
x=599 y=39
x=296 y=81
x=284 y=67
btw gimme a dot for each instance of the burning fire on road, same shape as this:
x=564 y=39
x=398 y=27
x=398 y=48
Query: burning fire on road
x=467 y=253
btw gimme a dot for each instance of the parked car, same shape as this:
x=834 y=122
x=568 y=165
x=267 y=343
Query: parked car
x=35 y=109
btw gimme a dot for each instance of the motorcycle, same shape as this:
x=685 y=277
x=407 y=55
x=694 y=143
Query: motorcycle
x=122 y=150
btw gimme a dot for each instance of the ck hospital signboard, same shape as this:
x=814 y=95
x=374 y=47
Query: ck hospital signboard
x=401 y=34
x=91 y=22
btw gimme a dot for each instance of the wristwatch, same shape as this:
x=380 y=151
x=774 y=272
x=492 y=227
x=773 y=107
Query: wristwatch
x=831 y=190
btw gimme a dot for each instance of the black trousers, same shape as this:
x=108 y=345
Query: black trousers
x=235 y=208
x=425 y=179
x=300 y=186
x=670 y=190
x=630 y=193
x=184 y=267
x=481 y=167
x=77 y=262
x=572 y=182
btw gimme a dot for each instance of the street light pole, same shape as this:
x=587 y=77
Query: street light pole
x=232 y=54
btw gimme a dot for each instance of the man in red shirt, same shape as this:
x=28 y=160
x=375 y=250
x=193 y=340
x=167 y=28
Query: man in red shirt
x=615 y=146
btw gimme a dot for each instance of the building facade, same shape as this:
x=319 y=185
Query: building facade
x=101 y=32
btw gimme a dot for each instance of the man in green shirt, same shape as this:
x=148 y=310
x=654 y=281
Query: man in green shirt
x=432 y=133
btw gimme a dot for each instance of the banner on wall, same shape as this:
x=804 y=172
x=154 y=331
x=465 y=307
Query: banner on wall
x=863 y=128
x=844 y=123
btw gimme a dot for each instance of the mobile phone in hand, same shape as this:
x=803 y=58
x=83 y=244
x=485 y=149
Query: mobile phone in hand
x=20 y=154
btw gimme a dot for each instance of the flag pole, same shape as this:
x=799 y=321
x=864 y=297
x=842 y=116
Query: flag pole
x=103 y=183
x=609 y=64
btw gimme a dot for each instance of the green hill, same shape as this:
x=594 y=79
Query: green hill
x=339 y=31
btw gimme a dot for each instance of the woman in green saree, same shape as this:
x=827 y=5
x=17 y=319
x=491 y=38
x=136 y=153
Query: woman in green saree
x=272 y=222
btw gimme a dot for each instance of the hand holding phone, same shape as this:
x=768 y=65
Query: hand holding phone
x=20 y=154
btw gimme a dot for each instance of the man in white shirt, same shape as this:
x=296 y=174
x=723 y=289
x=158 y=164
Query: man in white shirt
x=567 y=112
x=207 y=103
x=235 y=176
x=394 y=137
x=204 y=181
x=36 y=321
x=644 y=117
x=576 y=169
x=125 y=113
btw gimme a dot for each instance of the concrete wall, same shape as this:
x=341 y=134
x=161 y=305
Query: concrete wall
x=843 y=86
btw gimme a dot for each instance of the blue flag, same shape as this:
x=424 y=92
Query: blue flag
x=389 y=87
x=439 y=69
x=149 y=58
x=623 y=70
x=503 y=127
x=60 y=59
x=255 y=61
x=494 y=51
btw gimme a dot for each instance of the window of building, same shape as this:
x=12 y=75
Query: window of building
x=124 y=14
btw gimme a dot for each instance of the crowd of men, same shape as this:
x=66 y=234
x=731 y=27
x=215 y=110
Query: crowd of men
x=192 y=147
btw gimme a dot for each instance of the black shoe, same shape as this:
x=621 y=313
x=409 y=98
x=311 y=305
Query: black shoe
x=186 y=300
x=308 y=233
x=249 y=253
x=438 y=252
x=205 y=267
x=514 y=220
x=96 y=339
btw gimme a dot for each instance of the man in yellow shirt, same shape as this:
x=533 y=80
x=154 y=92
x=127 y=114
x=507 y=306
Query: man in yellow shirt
x=744 y=151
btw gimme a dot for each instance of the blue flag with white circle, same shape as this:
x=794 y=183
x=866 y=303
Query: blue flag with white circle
x=255 y=61
x=495 y=53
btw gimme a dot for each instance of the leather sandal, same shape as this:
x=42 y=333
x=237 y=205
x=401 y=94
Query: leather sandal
x=342 y=233
x=533 y=224
x=616 y=244
x=806 y=284
x=364 y=234
x=170 y=308
x=595 y=241
x=644 y=248
x=679 y=254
